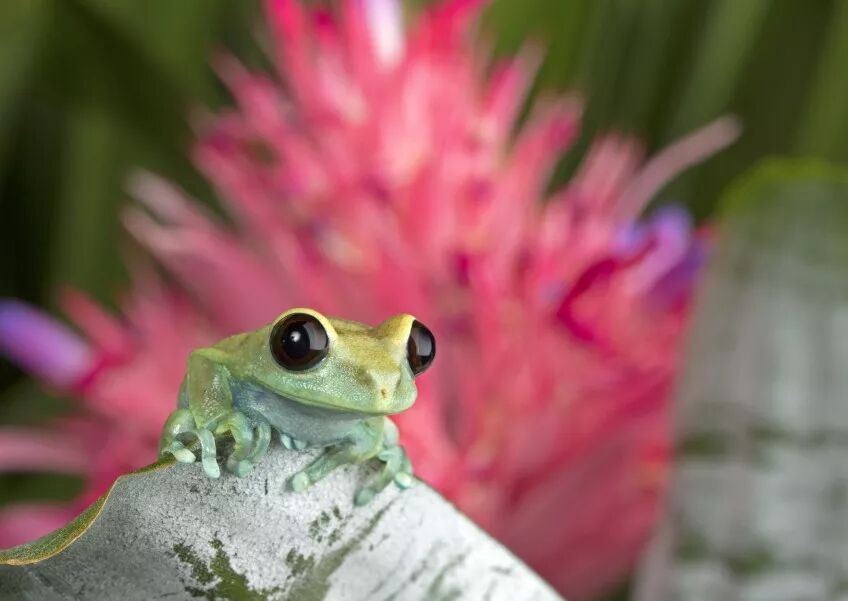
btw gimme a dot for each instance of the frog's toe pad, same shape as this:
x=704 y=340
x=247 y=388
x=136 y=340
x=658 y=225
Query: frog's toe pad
x=180 y=453
x=240 y=468
x=211 y=469
x=403 y=480
x=184 y=456
x=300 y=482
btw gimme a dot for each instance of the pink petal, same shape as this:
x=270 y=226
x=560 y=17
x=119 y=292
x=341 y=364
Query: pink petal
x=31 y=450
x=385 y=23
x=675 y=158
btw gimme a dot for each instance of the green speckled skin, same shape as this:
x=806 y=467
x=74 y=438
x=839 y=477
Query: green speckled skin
x=237 y=388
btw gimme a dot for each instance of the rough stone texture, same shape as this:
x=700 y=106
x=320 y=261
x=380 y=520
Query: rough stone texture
x=759 y=507
x=175 y=534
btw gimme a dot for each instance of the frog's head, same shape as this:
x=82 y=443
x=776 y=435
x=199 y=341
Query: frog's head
x=345 y=365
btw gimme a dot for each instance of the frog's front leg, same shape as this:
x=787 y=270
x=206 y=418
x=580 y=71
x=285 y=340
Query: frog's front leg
x=205 y=410
x=361 y=444
x=374 y=438
x=336 y=456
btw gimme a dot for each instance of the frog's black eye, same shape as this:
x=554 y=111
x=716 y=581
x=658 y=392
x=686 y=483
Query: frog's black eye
x=299 y=342
x=420 y=348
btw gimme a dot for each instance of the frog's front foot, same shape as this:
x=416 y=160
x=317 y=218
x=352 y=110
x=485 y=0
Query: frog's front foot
x=250 y=442
x=180 y=429
x=326 y=463
x=251 y=439
x=397 y=468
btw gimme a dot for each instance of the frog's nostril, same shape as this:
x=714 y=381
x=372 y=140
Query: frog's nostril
x=384 y=385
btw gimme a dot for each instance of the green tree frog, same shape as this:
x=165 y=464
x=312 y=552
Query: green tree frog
x=317 y=381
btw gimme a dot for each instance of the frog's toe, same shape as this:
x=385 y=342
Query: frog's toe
x=300 y=482
x=239 y=468
x=403 y=480
x=243 y=468
x=180 y=453
x=261 y=440
x=397 y=469
x=367 y=493
x=211 y=469
x=364 y=496
x=292 y=443
x=183 y=455
x=207 y=453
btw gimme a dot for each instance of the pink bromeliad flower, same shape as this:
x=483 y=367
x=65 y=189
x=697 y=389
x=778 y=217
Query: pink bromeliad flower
x=387 y=173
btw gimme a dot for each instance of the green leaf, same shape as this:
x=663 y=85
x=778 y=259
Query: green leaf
x=653 y=37
x=177 y=37
x=558 y=26
x=824 y=129
x=21 y=27
x=92 y=181
x=21 y=24
x=15 y=488
x=138 y=69
x=27 y=403
x=727 y=38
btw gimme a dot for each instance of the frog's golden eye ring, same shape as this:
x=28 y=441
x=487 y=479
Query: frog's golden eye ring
x=420 y=347
x=299 y=342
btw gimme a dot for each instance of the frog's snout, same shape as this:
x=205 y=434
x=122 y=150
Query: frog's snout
x=385 y=383
x=390 y=391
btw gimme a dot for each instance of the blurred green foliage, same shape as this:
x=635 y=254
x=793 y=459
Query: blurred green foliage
x=658 y=68
x=91 y=89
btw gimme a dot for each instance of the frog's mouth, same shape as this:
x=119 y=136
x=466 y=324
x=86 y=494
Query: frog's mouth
x=338 y=401
x=338 y=407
